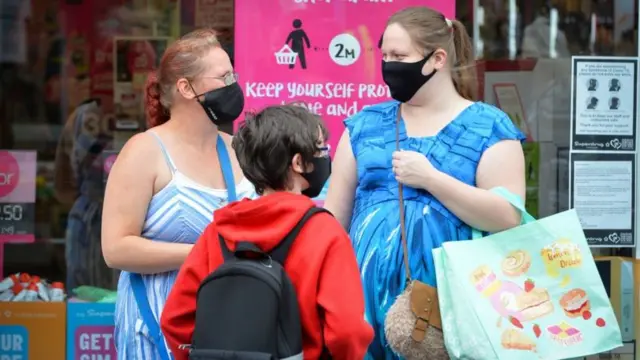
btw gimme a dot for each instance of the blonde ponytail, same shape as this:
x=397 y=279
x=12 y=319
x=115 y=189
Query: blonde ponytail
x=463 y=70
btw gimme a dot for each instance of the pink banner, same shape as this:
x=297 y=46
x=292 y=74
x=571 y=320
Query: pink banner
x=17 y=198
x=17 y=176
x=323 y=53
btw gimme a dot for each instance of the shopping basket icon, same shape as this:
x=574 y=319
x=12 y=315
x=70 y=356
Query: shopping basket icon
x=286 y=56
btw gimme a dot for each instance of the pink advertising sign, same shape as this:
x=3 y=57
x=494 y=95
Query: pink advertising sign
x=323 y=53
x=17 y=198
x=94 y=342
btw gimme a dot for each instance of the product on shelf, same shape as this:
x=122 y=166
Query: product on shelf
x=31 y=293
x=9 y=282
x=94 y=294
x=19 y=294
x=8 y=295
x=25 y=279
x=43 y=290
x=56 y=293
x=21 y=287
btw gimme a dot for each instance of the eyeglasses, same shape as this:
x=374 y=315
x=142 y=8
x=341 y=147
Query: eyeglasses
x=228 y=78
x=325 y=150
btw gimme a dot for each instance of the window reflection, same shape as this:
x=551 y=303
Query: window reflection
x=57 y=57
x=510 y=29
x=59 y=97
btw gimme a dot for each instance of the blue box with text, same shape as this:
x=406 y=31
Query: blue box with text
x=90 y=328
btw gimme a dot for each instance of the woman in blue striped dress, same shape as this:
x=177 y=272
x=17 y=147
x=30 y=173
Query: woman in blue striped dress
x=167 y=182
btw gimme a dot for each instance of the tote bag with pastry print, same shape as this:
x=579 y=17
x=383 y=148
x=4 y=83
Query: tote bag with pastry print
x=532 y=292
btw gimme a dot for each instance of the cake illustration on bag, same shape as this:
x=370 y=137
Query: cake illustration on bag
x=516 y=263
x=502 y=294
x=575 y=302
x=513 y=339
x=534 y=304
x=564 y=334
x=510 y=300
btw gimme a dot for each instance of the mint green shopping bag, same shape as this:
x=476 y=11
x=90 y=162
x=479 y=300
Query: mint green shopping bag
x=532 y=292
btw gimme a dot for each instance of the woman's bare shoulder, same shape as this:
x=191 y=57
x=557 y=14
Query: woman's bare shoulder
x=141 y=150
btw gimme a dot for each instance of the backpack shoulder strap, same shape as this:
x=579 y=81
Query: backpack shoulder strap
x=226 y=253
x=280 y=252
x=241 y=247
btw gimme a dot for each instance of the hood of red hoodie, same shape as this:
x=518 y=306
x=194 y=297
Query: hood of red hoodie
x=264 y=221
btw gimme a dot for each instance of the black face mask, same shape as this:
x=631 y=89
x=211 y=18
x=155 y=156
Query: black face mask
x=223 y=105
x=318 y=177
x=405 y=79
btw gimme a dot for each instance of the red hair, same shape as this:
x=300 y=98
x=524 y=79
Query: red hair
x=182 y=59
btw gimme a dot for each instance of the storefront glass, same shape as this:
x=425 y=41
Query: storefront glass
x=72 y=71
x=524 y=50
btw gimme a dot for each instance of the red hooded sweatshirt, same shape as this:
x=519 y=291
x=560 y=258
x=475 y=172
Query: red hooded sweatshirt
x=321 y=264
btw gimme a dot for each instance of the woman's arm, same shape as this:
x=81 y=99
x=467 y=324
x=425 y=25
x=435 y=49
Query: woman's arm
x=502 y=165
x=342 y=185
x=129 y=191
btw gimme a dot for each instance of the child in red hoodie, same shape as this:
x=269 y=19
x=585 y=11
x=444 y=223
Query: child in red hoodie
x=282 y=152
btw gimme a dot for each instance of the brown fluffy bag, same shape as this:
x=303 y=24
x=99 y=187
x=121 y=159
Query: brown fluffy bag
x=413 y=326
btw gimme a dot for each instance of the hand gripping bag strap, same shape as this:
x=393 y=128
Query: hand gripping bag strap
x=227 y=169
x=140 y=294
x=139 y=290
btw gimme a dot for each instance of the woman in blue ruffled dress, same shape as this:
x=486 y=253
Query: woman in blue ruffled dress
x=453 y=151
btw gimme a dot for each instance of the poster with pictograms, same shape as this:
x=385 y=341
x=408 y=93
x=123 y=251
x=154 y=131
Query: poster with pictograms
x=323 y=54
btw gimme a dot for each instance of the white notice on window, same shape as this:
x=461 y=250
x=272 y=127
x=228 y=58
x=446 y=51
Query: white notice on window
x=604 y=98
x=602 y=194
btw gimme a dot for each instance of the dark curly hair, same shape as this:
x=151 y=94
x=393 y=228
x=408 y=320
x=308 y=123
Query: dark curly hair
x=267 y=141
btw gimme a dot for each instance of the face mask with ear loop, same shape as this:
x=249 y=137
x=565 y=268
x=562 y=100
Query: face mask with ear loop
x=319 y=175
x=225 y=104
x=405 y=79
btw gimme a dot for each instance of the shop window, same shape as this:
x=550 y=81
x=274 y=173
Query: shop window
x=72 y=74
x=524 y=50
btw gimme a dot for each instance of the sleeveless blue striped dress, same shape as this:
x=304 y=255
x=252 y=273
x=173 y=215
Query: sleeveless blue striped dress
x=178 y=213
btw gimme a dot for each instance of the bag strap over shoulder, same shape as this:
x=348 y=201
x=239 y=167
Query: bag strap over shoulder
x=515 y=201
x=241 y=247
x=227 y=169
x=279 y=253
x=403 y=229
x=140 y=295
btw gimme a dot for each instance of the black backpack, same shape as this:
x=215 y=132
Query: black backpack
x=247 y=309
